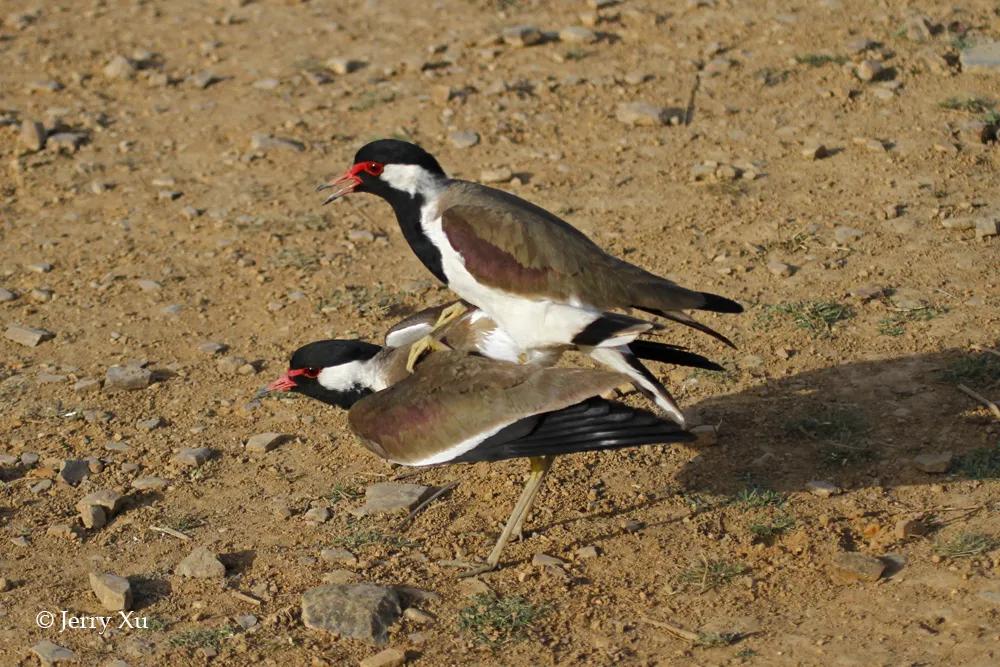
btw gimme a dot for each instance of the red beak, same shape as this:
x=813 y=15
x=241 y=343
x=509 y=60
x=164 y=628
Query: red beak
x=343 y=185
x=284 y=383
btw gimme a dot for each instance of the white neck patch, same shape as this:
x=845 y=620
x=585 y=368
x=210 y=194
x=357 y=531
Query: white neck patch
x=412 y=179
x=352 y=374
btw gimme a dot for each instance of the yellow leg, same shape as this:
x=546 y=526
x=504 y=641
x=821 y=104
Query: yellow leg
x=539 y=466
x=430 y=342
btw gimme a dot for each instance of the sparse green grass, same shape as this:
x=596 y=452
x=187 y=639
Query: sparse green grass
x=816 y=317
x=575 y=55
x=344 y=492
x=727 y=188
x=819 y=59
x=725 y=376
x=185 y=522
x=966 y=545
x=968 y=104
x=715 y=639
x=759 y=496
x=295 y=258
x=981 y=369
x=895 y=324
x=746 y=653
x=362 y=536
x=771 y=77
x=982 y=463
x=709 y=574
x=496 y=621
x=201 y=637
x=776 y=526
x=155 y=624
x=371 y=99
x=961 y=43
x=844 y=431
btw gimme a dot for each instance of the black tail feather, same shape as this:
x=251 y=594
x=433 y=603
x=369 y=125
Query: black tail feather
x=592 y=425
x=671 y=354
x=689 y=321
x=719 y=304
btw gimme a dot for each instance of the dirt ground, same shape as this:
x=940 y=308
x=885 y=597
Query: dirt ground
x=172 y=213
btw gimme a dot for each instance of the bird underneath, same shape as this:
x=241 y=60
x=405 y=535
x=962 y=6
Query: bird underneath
x=541 y=280
x=462 y=408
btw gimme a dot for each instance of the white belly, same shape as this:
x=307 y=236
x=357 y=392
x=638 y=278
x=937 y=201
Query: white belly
x=531 y=323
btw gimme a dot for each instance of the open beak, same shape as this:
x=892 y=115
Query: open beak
x=284 y=383
x=341 y=186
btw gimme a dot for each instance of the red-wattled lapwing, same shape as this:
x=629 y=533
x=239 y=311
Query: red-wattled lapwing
x=460 y=408
x=543 y=281
x=475 y=332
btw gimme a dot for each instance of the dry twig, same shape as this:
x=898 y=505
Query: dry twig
x=993 y=407
x=170 y=531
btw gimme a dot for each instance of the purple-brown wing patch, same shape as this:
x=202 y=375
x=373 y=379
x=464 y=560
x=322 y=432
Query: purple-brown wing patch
x=491 y=265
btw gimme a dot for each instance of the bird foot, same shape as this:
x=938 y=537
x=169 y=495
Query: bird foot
x=421 y=347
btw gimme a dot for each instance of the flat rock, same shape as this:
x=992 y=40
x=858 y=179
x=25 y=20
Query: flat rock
x=340 y=65
x=982 y=58
x=388 y=497
x=127 y=378
x=390 y=657
x=463 y=139
x=201 y=564
x=587 y=552
x=32 y=135
x=49 y=653
x=361 y=611
x=645 y=114
x=149 y=483
x=265 y=442
x=853 y=566
x=105 y=498
x=338 y=556
x=577 y=35
x=934 y=462
x=27 y=336
x=114 y=592
x=119 y=67
x=204 y=79
x=844 y=234
x=545 y=560
x=869 y=70
x=317 y=515
x=522 y=35
x=7 y=295
x=86 y=386
x=500 y=175
x=73 y=471
x=93 y=516
x=822 y=488
x=986 y=227
x=780 y=268
x=193 y=456
x=213 y=347
x=814 y=151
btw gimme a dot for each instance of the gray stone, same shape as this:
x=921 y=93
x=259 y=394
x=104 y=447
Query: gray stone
x=463 y=139
x=545 y=560
x=127 y=378
x=388 y=497
x=852 y=566
x=193 y=456
x=337 y=555
x=39 y=267
x=86 y=386
x=993 y=597
x=584 y=553
x=119 y=67
x=522 y=35
x=149 y=483
x=869 y=70
x=106 y=498
x=246 y=621
x=65 y=142
x=93 y=517
x=986 y=227
x=341 y=66
x=814 y=151
x=843 y=235
x=577 y=35
x=204 y=79
x=780 y=268
x=265 y=442
x=32 y=135
x=73 y=471
x=933 y=463
x=646 y=114
x=822 y=488
x=49 y=653
x=361 y=611
x=147 y=285
x=27 y=336
x=501 y=175
x=260 y=141
x=212 y=347
x=41 y=486
x=114 y=592
x=982 y=58
x=6 y=295
x=201 y=564
x=317 y=515
x=151 y=424
x=266 y=84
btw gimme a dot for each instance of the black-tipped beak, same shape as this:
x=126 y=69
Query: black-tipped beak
x=344 y=185
x=284 y=383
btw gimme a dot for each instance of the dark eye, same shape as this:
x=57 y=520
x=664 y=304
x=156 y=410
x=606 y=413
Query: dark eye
x=374 y=168
x=311 y=373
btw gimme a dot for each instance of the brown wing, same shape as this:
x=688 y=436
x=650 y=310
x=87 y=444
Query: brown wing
x=454 y=401
x=511 y=244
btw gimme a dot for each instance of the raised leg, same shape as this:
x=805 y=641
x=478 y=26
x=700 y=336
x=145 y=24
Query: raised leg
x=539 y=466
x=430 y=342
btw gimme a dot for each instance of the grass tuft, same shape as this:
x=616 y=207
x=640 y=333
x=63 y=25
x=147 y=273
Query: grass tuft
x=496 y=621
x=344 y=492
x=895 y=324
x=758 y=496
x=361 y=536
x=975 y=369
x=842 y=429
x=816 y=317
x=709 y=574
x=968 y=104
x=201 y=637
x=982 y=463
x=966 y=545
x=773 y=528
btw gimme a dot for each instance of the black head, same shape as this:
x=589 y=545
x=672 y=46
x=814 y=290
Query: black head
x=389 y=168
x=332 y=371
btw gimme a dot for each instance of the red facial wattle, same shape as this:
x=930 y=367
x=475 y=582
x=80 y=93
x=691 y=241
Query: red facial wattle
x=351 y=179
x=287 y=381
